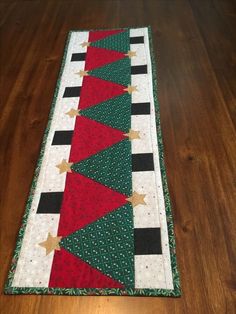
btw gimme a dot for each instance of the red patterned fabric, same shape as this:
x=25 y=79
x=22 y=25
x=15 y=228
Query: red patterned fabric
x=97 y=57
x=90 y=137
x=96 y=35
x=95 y=90
x=85 y=201
x=69 y=271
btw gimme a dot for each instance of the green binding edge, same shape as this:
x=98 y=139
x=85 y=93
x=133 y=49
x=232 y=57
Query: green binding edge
x=8 y=289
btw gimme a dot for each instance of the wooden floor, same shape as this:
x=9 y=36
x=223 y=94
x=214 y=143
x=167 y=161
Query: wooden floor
x=195 y=44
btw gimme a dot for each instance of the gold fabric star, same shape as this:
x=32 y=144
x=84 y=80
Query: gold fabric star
x=136 y=199
x=73 y=112
x=131 y=54
x=130 y=89
x=85 y=44
x=51 y=244
x=64 y=166
x=133 y=135
x=82 y=73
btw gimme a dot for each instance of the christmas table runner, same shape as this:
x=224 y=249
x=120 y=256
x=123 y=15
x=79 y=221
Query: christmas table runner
x=98 y=217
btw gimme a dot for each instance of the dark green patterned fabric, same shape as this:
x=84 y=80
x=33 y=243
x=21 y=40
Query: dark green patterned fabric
x=118 y=72
x=107 y=244
x=111 y=167
x=118 y=42
x=114 y=112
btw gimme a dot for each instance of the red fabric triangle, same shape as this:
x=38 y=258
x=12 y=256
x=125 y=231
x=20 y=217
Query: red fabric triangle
x=69 y=271
x=96 y=35
x=98 y=57
x=85 y=201
x=95 y=90
x=90 y=137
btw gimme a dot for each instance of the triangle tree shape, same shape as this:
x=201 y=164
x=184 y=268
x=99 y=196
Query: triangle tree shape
x=114 y=112
x=98 y=57
x=118 y=42
x=107 y=245
x=111 y=167
x=69 y=271
x=95 y=90
x=85 y=201
x=91 y=137
x=97 y=35
x=118 y=72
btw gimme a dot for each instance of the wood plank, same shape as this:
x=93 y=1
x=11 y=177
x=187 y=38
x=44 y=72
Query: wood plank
x=217 y=24
x=195 y=47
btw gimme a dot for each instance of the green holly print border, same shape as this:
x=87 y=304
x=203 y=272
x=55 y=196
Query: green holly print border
x=176 y=292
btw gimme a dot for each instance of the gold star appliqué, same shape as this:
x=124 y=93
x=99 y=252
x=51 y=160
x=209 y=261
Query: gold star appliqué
x=85 y=44
x=64 y=166
x=132 y=135
x=130 y=89
x=131 y=54
x=82 y=73
x=136 y=199
x=51 y=244
x=73 y=113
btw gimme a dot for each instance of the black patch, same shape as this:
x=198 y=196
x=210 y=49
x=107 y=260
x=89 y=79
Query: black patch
x=136 y=40
x=72 y=91
x=62 y=138
x=142 y=162
x=147 y=241
x=140 y=108
x=78 y=56
x=138 y=69
x=50 y=203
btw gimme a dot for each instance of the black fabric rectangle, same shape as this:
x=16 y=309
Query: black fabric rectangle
x=147 y=241
x=72 y=91
x=142 y=162
x=50 y=203
x=140 y=108
x=138 y=69
x=62 y=138
x=136 y=40
x=78 y=56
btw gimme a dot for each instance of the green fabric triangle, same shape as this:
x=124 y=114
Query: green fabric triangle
x=118 y=72
x=107 y=244
x=110 y=167
x=118 y=42
x=114 y=112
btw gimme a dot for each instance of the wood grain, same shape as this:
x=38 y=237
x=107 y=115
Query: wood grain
x=195 y=44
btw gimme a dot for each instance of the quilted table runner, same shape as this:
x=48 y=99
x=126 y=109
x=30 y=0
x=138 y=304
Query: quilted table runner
x=98 y=217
